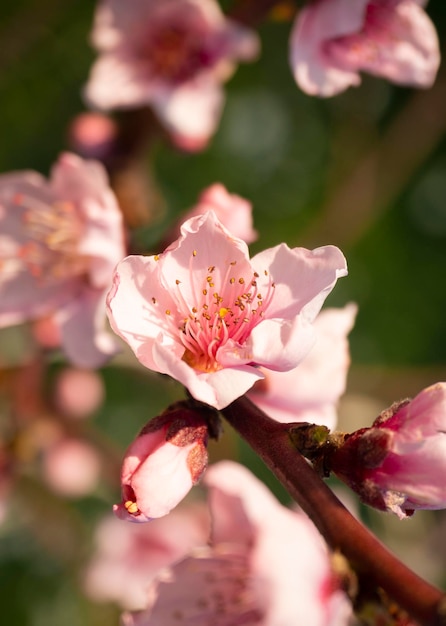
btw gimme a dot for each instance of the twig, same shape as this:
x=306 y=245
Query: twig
x=341 y=530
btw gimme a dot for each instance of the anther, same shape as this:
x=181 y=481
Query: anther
x=131 y=507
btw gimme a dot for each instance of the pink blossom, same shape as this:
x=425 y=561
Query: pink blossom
x=129 y=556
x=399 y=464
x=333 y=40
x=207 y=315
x=61 y=239
x=234 y=212
x=166 y=459
x=171 y=54
x=266 y=565
x=310 y=392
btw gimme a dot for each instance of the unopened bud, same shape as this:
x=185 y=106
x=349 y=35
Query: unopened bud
x=166 y=459
x=399 y=464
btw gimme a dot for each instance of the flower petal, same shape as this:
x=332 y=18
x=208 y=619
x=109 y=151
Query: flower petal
x=190 y=112
x=303 y=278
x=317 y=23
x=84 y=337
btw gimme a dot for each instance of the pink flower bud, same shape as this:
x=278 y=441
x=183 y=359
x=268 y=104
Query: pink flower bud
x=166 y=459
x=78 y=392
x=399 y=464
x=71 y=468
x=93 y=135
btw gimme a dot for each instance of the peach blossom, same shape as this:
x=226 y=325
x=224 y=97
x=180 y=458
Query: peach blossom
x=173 y=55
x=332 y=41
x=207 y=315
x=61 y=239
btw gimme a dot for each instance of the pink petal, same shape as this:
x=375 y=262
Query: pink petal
x=129 y=556
x=303 y=278
x=234 y=212
x=319 y=22
x=204 y=243
x=397 y=42
x=23 y=296
x=135 y=282
x=82 y=326
x=113 y=84
x=286 y=548
x=190 y=112
x=236 y=494
x=310 y=392
x=212 y=586
x=281 y=345
x=159 y=482
x=218 y=388
x=85 y=184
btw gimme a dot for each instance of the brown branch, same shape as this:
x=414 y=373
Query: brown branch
x=252 y=12
x=340 y=529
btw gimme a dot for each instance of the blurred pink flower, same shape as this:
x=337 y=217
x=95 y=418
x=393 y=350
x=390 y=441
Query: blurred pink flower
x=333 y=40
x=310 y=392
x=78 y=392
x=129 y=556
x=166 y=459
x=71 y=467
x=234 y=212
x=265 y=565
x=93 y=135
x=207 y=315
x=60 y=241
x=399 y=464
x=171 y=54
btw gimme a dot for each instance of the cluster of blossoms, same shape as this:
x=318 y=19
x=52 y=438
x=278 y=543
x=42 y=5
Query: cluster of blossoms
x=174 y=55
x=219 y=322
x=263 y=564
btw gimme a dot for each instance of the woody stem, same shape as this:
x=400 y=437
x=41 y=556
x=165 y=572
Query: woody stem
x=252 y=12
x=271 y=441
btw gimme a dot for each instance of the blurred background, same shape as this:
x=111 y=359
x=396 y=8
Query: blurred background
x=365 y=171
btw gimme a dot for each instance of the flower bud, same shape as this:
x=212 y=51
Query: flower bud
x=166 y=459
x=399 y=464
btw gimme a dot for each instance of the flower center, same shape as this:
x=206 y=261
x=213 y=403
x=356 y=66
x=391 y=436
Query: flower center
x=175 y=52
x=52 y=239
x=223 y=312
x=367 y=47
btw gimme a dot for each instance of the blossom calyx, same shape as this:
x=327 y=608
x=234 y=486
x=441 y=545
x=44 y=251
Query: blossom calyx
x=166 y=459
x=399 y=463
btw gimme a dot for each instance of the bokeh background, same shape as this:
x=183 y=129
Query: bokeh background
x=365 y=171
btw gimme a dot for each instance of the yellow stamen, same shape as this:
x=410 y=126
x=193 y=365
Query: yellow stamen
x=131 y=507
